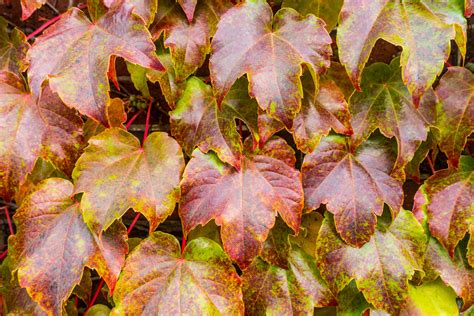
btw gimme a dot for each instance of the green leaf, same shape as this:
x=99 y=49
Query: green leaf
x=33 y=128
x=271 y=290
x=116 y=173
x=197 y=121
x=328 y=10
x=270 y=49
x=99 y=310
x=381 y=267
x=455 y=111
x=353 y=183
x=53 y=245
x=158 y=278
x=454 y=272
x=78 y=70
x=422 y=28
x=447 y=198
x=243 y=202
x=13 y=49
x=385 y=103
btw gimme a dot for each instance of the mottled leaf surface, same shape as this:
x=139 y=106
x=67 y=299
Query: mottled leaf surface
x=78 y=71
x=319 y=113
x=13 y=49
x=53 y=245
x=270 y=49
x=422 y=28
x=455 y=111
x=381 y=267
x=32 y=128
x=243 y=202
x=454 y=272
x=385 y=103
x=328 y=10
x=189 y=40
x=28 y=7
x=188 y=7
x=448 y=198
x=159 y=279
x=354 y=184
x=197 y=120
x=116 y=173
x=271 y=290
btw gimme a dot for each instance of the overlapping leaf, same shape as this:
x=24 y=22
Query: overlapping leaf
x=424 y=29
x=354 y=184
x=454 y=272
x=32 y=128
x=243 y=202
x=270 y=49
x=468 y=8
x=381 y=267
x=319 y=113
x=28 y=7
x=455 y=111
x=271 y=290
x=116 y=173
x=448 y=198
x=146 y=9
x=53 y=245
x=188 y=7
x=188 y=39
x=78 y=71
x=328 y=10
x=385 y=103
x=430 y=298
x=197 y=121
x=159 y=279
x=13 y=48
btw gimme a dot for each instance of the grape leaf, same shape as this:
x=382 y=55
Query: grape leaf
x=431 y=298
x=328 y=10
x=146 y=9
x=319 y=113
x=188 y=7
x=116 y=173
x=197 y=121
x=447 y=197
x=158 y=278
x=243 y=202
x=454 y=273
x=404 y=23
x=271 y=290
x=306 y=239
x=53 y=245
x=412 y=169
x=28 y=7
x=13 y=49
x=469 y=8
x=351 y=301
x=455 y=111
x=188 y=40
x=381 y=267
x=353 y=183
x=270 y=50
x=43 y=128
x=78 y=71
x=385 y=103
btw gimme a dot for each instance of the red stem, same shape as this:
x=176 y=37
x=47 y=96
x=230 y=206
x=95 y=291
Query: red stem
x=4 y=254
x=129 y=123
x=183 y=244
x=94 y=298
x=9 y=220
x=49 y=22
x=133 y=223
x=147 y=123
x=430 y=162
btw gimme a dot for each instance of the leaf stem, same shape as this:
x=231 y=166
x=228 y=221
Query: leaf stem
x=9 y=220
x=430 y=163
x=133 y=223
x=3 y=254
x=94 y=298
x=129 y=123
x=183 y=244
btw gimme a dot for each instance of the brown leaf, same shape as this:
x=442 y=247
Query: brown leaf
x=53 y=245
x=74 y=56
x=243 y=202
x=354 y=184
x=30 y=6
x=160 y=279
x=31 y=129
x=270 y=49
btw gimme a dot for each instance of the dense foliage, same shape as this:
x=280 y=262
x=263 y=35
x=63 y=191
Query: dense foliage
x=308 y=174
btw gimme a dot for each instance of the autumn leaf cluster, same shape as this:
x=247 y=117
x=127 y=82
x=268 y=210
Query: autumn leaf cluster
x=286 y=154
